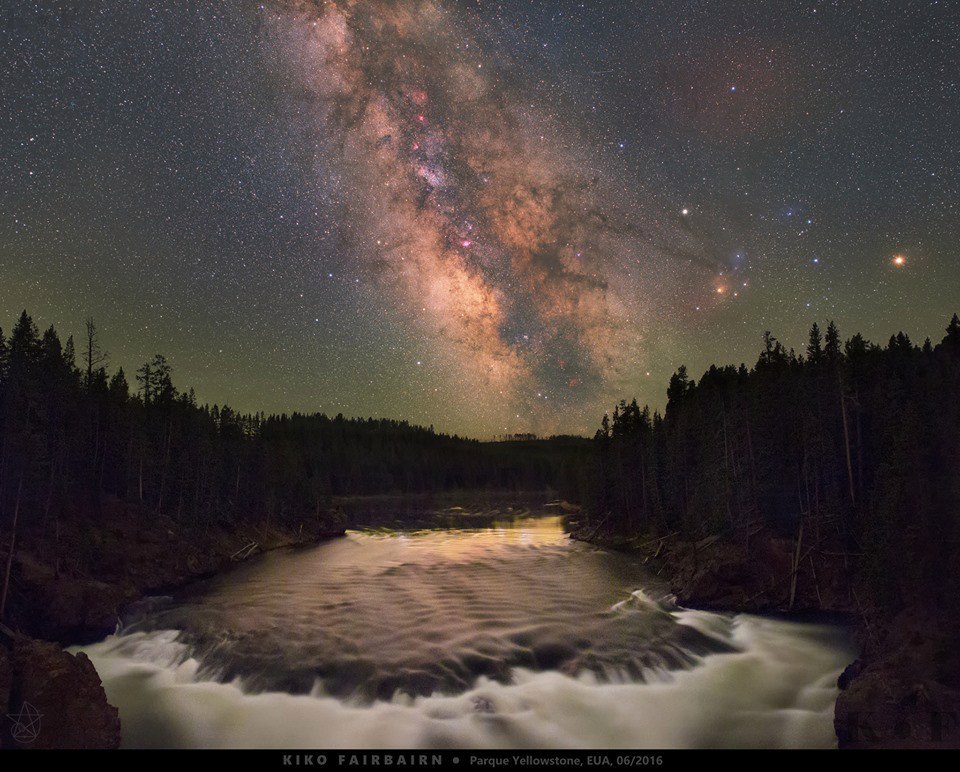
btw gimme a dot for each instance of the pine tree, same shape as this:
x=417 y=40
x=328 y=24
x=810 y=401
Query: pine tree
x=24 y=343
x=118 y=389
x=680 y=383
x=815 y=346
x=161 y=374
x=100 y=381
x=952 y=341
x=856 y=347
x=145 y=378
x=833 y=344
x=51 y=349
x=70 y=355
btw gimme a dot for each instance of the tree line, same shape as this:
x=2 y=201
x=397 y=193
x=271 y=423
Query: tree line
x=856 y=443
x=73 y=433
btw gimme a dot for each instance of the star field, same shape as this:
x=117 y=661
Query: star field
x=489 y=216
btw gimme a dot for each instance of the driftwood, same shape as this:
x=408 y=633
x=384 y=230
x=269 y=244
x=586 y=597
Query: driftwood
x=244 y=552
x=597 y=527
x=659 y=541
x=565 y=506
x=796 y=568
x=839 y=554
x=704 y=543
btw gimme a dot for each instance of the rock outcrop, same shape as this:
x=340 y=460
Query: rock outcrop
x=52 y=699
x=904 y=690
x=56 y=698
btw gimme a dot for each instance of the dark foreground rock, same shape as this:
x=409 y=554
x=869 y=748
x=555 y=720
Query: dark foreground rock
x=902 y=692
x=52 y=699
x=55 y=698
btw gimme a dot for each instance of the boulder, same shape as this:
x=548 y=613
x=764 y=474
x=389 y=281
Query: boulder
x=903 y=692
x=879 y=709
x=56 y=700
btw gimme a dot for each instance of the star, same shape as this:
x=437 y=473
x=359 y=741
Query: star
x=470 y=190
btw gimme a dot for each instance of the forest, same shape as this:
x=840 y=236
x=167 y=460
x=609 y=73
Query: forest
x=851 y=446
x=74 y=435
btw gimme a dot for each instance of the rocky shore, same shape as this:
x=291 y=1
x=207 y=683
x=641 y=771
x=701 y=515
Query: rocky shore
x=71 y=592
x=52 y=699
x=903 y=691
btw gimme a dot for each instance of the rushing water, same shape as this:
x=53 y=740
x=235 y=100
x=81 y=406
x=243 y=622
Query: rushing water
x=500 y=637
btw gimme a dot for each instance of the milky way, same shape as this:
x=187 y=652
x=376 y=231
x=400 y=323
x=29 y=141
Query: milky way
x=493 y=216
x=501 y=238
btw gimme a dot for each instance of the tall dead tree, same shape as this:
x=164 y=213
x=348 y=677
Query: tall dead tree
x=94 y=356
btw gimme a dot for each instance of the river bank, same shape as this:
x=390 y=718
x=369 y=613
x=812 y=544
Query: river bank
x=903 y=691
x=507 y=637
x=68 y=586
x=895 y=695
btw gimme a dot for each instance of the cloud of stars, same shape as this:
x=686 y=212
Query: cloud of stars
x=489 y=216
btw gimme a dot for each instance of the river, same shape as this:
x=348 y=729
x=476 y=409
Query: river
x=503 y=637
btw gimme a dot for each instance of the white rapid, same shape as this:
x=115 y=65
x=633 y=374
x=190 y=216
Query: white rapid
x=505 y=638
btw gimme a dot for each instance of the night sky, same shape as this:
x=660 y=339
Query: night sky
x=487 y=216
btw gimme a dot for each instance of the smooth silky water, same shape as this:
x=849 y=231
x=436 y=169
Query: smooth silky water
x=504 y=637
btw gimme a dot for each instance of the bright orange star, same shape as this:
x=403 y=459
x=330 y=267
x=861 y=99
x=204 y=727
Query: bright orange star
x=899 y=260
